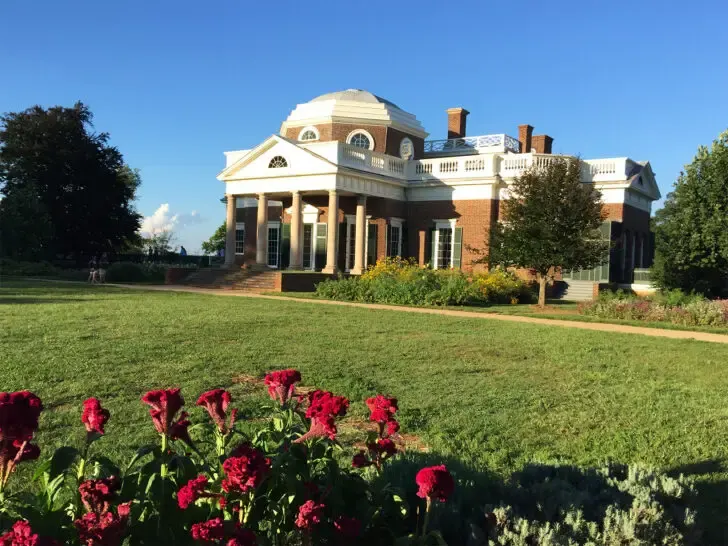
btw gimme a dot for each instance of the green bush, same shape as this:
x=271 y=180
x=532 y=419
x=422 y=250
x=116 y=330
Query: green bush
x=27 y=269
x=135 y=272
x=403 y=282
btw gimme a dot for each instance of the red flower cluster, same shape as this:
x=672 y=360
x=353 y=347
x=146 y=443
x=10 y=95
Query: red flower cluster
x=382 y=410
x=245 y=469
x=323 y=408
x=216 y=403
x=213 y=532
x=165 y=404
x=179 y=429
x=97 y=494
x=347 y=527
x=310 y=513
x=22 y=535
x=282 y=384
x=195 y=489
x=105 y=529
x=435 y=482
x=94 y=417
x=19 y=413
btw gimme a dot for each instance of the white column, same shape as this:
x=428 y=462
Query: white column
x=361 y=232
x=261 y=242
x=296 y=261
x=230 y=231
x=332 y=231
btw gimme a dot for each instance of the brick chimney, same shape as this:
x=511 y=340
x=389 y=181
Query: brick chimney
x=456 y=119
x=542 y=144
x=524 y=137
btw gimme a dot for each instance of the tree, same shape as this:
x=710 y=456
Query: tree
x=158 y=243
x=550 y=222
x=23 y=209
x=51 y=161
x=216 y=243
x=691 y=230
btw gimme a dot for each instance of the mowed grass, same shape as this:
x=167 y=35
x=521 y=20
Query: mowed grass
x=492 y=395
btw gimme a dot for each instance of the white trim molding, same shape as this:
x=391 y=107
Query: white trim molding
x=363 y=132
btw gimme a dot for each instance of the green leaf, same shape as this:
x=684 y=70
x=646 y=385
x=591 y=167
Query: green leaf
x=141 y=452
x=62 y=460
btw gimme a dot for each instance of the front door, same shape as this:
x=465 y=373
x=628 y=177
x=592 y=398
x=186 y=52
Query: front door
x=274 y=243
x=308 y=246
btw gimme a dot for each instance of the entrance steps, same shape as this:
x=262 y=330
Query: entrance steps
x=250 y=280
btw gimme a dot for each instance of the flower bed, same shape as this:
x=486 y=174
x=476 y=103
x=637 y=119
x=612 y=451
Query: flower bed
x=673 y=308
x=403 y=282
x=290 y=483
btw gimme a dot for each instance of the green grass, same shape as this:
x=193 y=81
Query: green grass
x=493 y=395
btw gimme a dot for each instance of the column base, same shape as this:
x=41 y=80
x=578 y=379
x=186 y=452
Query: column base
x=294 y=268
x=330 y=270
x=356 y=271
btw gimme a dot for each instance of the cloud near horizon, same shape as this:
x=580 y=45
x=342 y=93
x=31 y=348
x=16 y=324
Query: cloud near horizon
x=162 y=220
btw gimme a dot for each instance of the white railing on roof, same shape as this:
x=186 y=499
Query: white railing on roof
x=593 y=170
x=464 y=144
x=454 y=167
x=361 y=158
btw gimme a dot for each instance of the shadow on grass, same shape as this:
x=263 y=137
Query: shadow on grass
x=31 y=299
x=545 y=492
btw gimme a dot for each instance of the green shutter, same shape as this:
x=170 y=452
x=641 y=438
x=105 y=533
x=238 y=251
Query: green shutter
x=285 y=246
x=405 y=241
x=372 y=244
x=432 y=246
x=320 y=246
x=457 y=248
x=387 y=238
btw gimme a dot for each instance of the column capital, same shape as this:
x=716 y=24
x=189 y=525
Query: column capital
x=295 y=192
x=333 y=192
x=361 y=199
x=262 y=195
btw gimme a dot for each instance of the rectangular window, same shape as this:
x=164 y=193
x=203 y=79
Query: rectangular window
x=308 y=246
x=239 y=238
x=350 y=244
x=444 y=248
x=273 y=242
x=395 y=240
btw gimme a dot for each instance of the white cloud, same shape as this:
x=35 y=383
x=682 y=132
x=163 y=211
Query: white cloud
x=159 y=222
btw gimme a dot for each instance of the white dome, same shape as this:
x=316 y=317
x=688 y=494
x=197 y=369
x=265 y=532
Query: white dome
x=353 y=106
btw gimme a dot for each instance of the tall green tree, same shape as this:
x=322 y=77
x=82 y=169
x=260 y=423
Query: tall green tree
x=550 y=222
x=217 y=242
x=53 y=163
x=691 y=230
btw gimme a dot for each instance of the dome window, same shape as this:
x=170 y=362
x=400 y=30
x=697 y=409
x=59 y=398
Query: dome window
x=361 y=139
x=308 y=134
x=278 y=162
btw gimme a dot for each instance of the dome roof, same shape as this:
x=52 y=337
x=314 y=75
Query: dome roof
x=354 y=95
x=353 y=106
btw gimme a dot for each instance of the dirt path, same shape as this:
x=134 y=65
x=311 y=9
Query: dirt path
x=594 y=326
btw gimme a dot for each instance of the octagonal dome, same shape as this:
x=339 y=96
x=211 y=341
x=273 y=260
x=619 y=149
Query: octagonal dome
x=353 y=106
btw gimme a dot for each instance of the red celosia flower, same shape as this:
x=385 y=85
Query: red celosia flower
x=309 y=514
x=209 y=532
x=392 y=427
x=165 y=405
x=435 y=482
x=347 y=527
x=96 y=494
x=323 y=408
x=216 y=403
x=19 y=413
x=22 y=535
x=360 y=460
x=382 y=408
x=282 y=384
x=245 y=469
x=94 y=417
x=179 y=429
x=191 y=491
x=383 y=447
x=30 y=451
x=106 y=529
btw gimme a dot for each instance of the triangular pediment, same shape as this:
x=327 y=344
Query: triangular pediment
x=264 y=161
x=645 y=182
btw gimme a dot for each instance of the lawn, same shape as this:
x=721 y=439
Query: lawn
x=491 y=395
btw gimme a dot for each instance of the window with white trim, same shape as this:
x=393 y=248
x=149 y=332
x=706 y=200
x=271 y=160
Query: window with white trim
x=278 y=162
x=443 y=245
x=308 y=134
x=240 y=238
x=361 y=139
x=394 y=244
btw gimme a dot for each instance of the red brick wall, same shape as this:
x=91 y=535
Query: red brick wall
x=476 y=217
x=386 y=139
x=394 y=138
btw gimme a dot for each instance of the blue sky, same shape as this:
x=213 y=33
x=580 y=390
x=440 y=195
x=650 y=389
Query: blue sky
x=177 y=83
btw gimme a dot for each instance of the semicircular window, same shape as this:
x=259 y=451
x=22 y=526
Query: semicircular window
x=360 y=140
x=308 y=135
x=278 y=162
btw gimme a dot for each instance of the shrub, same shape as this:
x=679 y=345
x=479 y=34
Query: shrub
x=403 y=282
x=135 y=272
x=27 y=269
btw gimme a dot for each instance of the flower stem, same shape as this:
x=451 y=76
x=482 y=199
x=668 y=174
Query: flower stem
x=163 y=469
x=427 y=517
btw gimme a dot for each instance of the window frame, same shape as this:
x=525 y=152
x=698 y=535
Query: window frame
x=239 y=226
x=364 y=132
x=395 y=223
x=274 y=158
x=311 y=128
x=444 y=224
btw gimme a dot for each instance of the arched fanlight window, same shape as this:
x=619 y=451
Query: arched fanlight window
x=361 y=139
x=308 y=134
x=278 y=162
